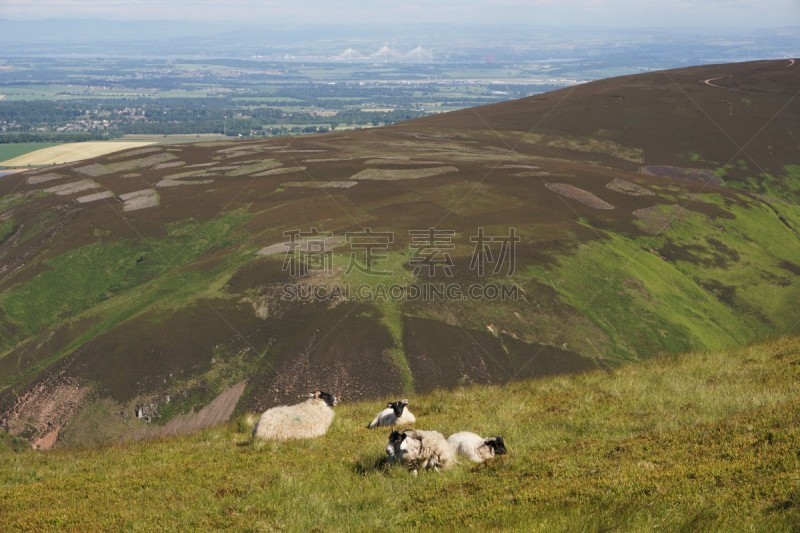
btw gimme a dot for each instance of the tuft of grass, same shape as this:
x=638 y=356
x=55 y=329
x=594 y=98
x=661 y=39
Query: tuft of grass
x=706 y=440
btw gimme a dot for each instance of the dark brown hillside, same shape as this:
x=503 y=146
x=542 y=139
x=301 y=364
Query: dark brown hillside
x=712 y=111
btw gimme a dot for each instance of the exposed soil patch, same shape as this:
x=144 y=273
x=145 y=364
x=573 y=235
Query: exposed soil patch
x=139 y=199
x=218 y=411
x=531 y=174
x=321 y=184
x=251 y=167
x=576 y=193
x=318 y=243
x=42 y=178
x=94 y=197
x=96 y=169
x=331 y=159
x=238 y=150
x=171 y=164
x=385 y=174
x=523 y=167
x=400 y=161
x=178 y=183
x=39 y=414
x=276 y=171
x=72 y=188
x=693 y=174
x=140 y=151
x=628 y=187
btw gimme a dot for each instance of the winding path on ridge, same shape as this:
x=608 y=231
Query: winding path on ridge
x=710 y=81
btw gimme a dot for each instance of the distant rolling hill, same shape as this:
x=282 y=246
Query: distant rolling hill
x=160 y=289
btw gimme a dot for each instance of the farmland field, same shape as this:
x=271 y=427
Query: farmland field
x=68 y=153
x=12 y=150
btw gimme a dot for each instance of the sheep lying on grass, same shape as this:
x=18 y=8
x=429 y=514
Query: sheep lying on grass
x=418 y=449
x=395 y=414
x=311 y=418
x=476 y=448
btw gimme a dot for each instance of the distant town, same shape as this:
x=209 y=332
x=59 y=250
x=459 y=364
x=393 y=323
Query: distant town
x=91 y=88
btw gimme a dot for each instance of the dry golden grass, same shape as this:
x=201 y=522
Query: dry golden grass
x=69 y=153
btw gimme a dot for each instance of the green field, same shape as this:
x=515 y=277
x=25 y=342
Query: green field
x=12 y=150
x=704 y=441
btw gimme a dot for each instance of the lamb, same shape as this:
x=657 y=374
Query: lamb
x=395 y=414
x=476 y=448
x=311 y=418
x=419 y=449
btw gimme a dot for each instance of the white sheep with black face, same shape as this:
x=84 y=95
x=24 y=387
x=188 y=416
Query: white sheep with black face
x=395 y=414
x=420 y=450
x=476 y=448
x=311 y=418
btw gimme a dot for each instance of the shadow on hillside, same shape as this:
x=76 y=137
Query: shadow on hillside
x=371 y=464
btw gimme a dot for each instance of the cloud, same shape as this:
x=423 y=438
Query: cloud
x=748 y=13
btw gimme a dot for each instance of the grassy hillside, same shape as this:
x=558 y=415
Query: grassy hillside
x=158 y=276
x=706 y=440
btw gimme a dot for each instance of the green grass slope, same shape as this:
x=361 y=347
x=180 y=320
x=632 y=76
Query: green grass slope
x=706 y=440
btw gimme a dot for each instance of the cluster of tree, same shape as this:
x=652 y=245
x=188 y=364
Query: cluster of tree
x=28 y=121
x=45 y=137
x=32 y=113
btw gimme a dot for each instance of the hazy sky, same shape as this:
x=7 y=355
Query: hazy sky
x=617 y=13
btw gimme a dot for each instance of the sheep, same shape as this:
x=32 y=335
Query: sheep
x=311 y=418
x=419 y=449
x=476 y=448
x=395 y=414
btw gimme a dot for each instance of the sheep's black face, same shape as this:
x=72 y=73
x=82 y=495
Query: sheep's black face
x=329 y=399
x=397 y=407
x=498 y=445
x=395 y=440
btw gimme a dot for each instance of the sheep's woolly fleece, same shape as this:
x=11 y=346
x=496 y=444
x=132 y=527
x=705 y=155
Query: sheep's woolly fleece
x=420 y=450
x=309 y=419
x=395 y=414
x=476 y=448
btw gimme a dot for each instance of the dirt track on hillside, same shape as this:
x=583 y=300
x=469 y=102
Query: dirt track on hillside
x=216 y=412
